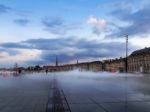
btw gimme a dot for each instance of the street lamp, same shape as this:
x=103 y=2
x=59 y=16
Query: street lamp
x=126 y=61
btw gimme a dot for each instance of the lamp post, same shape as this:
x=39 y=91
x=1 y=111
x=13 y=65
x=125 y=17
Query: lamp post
x=126 y=68
x=126 y=61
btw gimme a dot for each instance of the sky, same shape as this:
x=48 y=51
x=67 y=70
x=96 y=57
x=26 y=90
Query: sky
x=34 y=32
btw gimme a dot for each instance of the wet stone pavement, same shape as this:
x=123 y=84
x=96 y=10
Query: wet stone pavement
x=84 y=92
x=26 y=93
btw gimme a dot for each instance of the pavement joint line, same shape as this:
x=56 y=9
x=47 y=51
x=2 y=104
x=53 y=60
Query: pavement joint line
x=98 y=105
x=5 y=106
x=114 y=102
x=100 y=91
x=66 y=100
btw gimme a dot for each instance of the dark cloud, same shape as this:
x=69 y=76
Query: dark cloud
x=139 y=22
x=54 y=25
x=11 y=45
x=68 y=49
x=21 y=22
x=52 y=22
x=86 y=50
x=40 y=44
x=49 y=44
x=4 y=9
x=57 y=25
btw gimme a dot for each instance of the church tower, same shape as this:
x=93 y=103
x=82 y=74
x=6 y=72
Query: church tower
x=77 y=62
x=56 y=61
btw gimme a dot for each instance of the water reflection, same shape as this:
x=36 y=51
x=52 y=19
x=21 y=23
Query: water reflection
x=111 y=91
x=85 y=91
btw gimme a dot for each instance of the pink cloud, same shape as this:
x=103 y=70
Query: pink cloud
x=99 y=23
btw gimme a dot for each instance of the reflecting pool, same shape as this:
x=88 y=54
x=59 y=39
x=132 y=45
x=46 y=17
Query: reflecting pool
x=84 y=91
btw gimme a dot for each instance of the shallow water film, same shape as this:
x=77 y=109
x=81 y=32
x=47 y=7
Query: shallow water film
x=75 y=91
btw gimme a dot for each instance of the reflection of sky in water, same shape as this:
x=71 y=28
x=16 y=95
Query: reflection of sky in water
x=105 y=81
x=100 y=90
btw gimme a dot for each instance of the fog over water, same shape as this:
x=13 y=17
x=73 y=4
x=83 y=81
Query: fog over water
x=84 y=91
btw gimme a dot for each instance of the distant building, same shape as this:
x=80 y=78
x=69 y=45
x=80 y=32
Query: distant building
x=83 y=66
x=95 y=66
x=138 y=61
x=114 y=65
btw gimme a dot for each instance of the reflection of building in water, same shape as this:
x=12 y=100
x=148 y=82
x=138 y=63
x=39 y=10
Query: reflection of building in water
x=139 y=61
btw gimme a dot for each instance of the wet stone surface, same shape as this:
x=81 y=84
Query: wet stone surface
x=26 y=93
x=84 y=91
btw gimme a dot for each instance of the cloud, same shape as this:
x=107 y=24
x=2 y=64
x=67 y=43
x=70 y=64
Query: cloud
x=4 y=9
x=68 y=49
x=138 y=22
x=98 y=24
x=10 y=52
x=54 y=25
x=21 y=22
x=11 y=45
x=84 y=49
x=48 y=44
x=58 y=26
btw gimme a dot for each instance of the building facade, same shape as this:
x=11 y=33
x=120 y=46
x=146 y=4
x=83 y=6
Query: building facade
x=139 y=61
x=114 y=65
x=95 y=66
